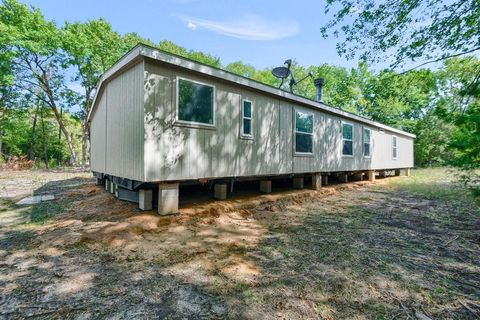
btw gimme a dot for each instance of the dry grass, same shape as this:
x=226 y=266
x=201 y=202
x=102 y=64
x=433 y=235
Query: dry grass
x=399 y=248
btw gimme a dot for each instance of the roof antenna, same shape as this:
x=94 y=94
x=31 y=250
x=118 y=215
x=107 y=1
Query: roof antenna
x=284 y=72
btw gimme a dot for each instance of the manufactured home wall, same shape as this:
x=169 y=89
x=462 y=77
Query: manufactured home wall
x=97 y=136
x=174 y=152
x=117 y=132
x=383 y=155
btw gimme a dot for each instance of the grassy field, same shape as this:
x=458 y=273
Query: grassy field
x=403 y=247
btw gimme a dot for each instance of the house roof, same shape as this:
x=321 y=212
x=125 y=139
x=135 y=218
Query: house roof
x=141 y=51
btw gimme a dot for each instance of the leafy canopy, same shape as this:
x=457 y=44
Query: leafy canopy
x=406 y=29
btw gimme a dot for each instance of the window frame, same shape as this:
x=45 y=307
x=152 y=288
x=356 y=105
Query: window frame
x=242 y=118
x=295 y=152
x=194 y=124
x=343 y=139
x=369 y=142
x=395 y=147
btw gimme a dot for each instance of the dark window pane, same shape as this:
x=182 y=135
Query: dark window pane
x=304 y=122
x=347 y=148
x=347 y=131
x=395 y=152
x=366 y=135
x=247 y=126
x=366 y=149
x=195 y=102
x=394 y=141
x=303 y=143
x=247 y=109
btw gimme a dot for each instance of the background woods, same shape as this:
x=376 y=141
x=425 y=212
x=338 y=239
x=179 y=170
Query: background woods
x=49 y=72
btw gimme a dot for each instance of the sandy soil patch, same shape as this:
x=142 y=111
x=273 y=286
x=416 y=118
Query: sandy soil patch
x=356 y=251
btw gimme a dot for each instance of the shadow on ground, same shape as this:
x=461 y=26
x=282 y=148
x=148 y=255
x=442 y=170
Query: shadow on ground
x=356 y=251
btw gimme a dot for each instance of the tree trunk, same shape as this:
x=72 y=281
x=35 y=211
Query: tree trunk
x=31 y=152
x=85 y=137
x=2 y=120
x=86 y=128
x=44 y=138
x=54 y=108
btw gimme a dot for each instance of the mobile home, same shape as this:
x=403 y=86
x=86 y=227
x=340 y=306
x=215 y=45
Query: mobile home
x=159 y=121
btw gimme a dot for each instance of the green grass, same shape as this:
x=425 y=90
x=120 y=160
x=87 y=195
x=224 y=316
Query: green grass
x=43 y=212
x=248 y=293
x=433 y=183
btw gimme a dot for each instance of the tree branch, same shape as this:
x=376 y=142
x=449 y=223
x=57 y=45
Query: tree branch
x=440 y=59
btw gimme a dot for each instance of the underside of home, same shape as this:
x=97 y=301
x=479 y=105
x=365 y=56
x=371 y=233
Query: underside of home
x=165 y=196
x=160 y=122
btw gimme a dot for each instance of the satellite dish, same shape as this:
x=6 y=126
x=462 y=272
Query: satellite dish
x=285 y=72
x=281 y=72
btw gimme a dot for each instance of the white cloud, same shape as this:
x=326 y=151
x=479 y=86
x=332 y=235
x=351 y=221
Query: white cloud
x=248 y=27
x=191 y=25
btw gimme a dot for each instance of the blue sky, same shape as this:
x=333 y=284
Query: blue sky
x=262 y=33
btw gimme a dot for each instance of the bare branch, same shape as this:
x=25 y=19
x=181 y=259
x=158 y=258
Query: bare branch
x=440 y=59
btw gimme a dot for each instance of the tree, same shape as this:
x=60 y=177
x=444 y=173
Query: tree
x=35 y=45
x=242 y=69
x=339 y=89
x=170 y=47
x=459 y=104
x=7 y=94
x=91 y=48
x=430 y=30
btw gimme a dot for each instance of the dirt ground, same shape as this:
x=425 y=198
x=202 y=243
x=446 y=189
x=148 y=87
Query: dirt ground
x=399 y=248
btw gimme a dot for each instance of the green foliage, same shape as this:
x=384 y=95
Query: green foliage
x=441 y=107
x=465 y=140
x=410 y=29
x=431 y=145
x=340 y=87
x=242 y=69
x=170 y=47
x=19 y=137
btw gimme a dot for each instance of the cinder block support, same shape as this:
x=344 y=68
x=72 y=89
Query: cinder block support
x=99 y=182
x=325 y=180
x=407 y=172
x=266 y=186
x=371 y=175
x=358 y=176
x=316 y=181
x=113 y=188
x=397 y=172
x=298 y=182
x=145 y=199
x=168 y=198
x=343 y=177
x=108 y=185
x=381 y=174
x=220 y=191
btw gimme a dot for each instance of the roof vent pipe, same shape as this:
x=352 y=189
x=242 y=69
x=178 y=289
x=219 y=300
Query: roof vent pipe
x=319 y=88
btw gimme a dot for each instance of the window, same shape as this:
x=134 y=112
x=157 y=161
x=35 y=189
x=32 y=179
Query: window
x=247 y=119
x=303 y=132
x=347 y=137
x=366 y=142
x=394 y=147
x=195 y=102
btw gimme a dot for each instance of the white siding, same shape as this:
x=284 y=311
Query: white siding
x=97 y=136
x=174 y=152
x=134 y=134
x=124 y=125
